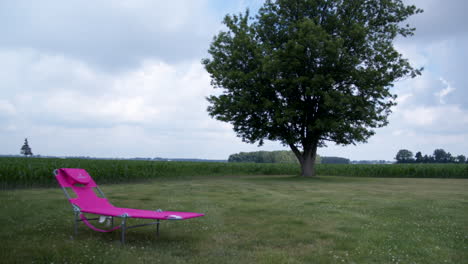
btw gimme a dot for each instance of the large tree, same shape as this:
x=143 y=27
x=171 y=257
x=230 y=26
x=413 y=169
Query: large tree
x=307 y=72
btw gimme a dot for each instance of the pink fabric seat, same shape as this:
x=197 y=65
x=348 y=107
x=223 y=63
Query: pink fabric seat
x=88 y=202
x=101 y=206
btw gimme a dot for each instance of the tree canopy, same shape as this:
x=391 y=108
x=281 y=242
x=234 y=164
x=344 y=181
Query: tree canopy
x=306 y=72
x=404 y=156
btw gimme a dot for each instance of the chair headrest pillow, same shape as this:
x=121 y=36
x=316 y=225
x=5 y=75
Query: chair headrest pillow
x=79 y=176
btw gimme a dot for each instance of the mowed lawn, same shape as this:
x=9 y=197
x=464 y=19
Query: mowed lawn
x=251 y=219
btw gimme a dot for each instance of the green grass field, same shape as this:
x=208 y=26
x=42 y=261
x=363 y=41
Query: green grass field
x=252 y=219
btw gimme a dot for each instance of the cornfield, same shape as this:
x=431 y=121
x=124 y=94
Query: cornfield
x=37 y=172
x=395 y=170
x=29 y=172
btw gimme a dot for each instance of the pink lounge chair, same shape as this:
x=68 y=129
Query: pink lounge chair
x=88 y=202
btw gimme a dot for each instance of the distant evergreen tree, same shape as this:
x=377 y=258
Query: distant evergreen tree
x=25 y=149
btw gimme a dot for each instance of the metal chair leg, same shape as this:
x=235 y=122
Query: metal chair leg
x=75 y=225
x=123 y=227
x=157 y=228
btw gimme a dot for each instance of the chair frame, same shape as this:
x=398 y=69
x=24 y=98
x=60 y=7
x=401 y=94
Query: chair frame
x=77 y=212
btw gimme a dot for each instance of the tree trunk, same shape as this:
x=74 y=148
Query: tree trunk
x=306 y=159
x=308 y=164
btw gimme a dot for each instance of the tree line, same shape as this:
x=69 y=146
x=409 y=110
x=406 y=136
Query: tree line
x=280 y=156
x=439 y=156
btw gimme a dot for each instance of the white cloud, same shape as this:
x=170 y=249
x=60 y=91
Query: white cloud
x=436 y=118
x=67 y=107
x=114 y=35
x=59 y=87
x=420 y=116
x=402 y=99
x=444 y=92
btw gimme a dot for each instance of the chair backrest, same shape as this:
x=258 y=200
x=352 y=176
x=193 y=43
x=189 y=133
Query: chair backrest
x=83 y=185
x=69 y=177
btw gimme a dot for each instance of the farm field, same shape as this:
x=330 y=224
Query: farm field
x=251 y=219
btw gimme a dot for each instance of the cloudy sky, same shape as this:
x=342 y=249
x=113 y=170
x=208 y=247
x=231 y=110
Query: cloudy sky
x=109 y=78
